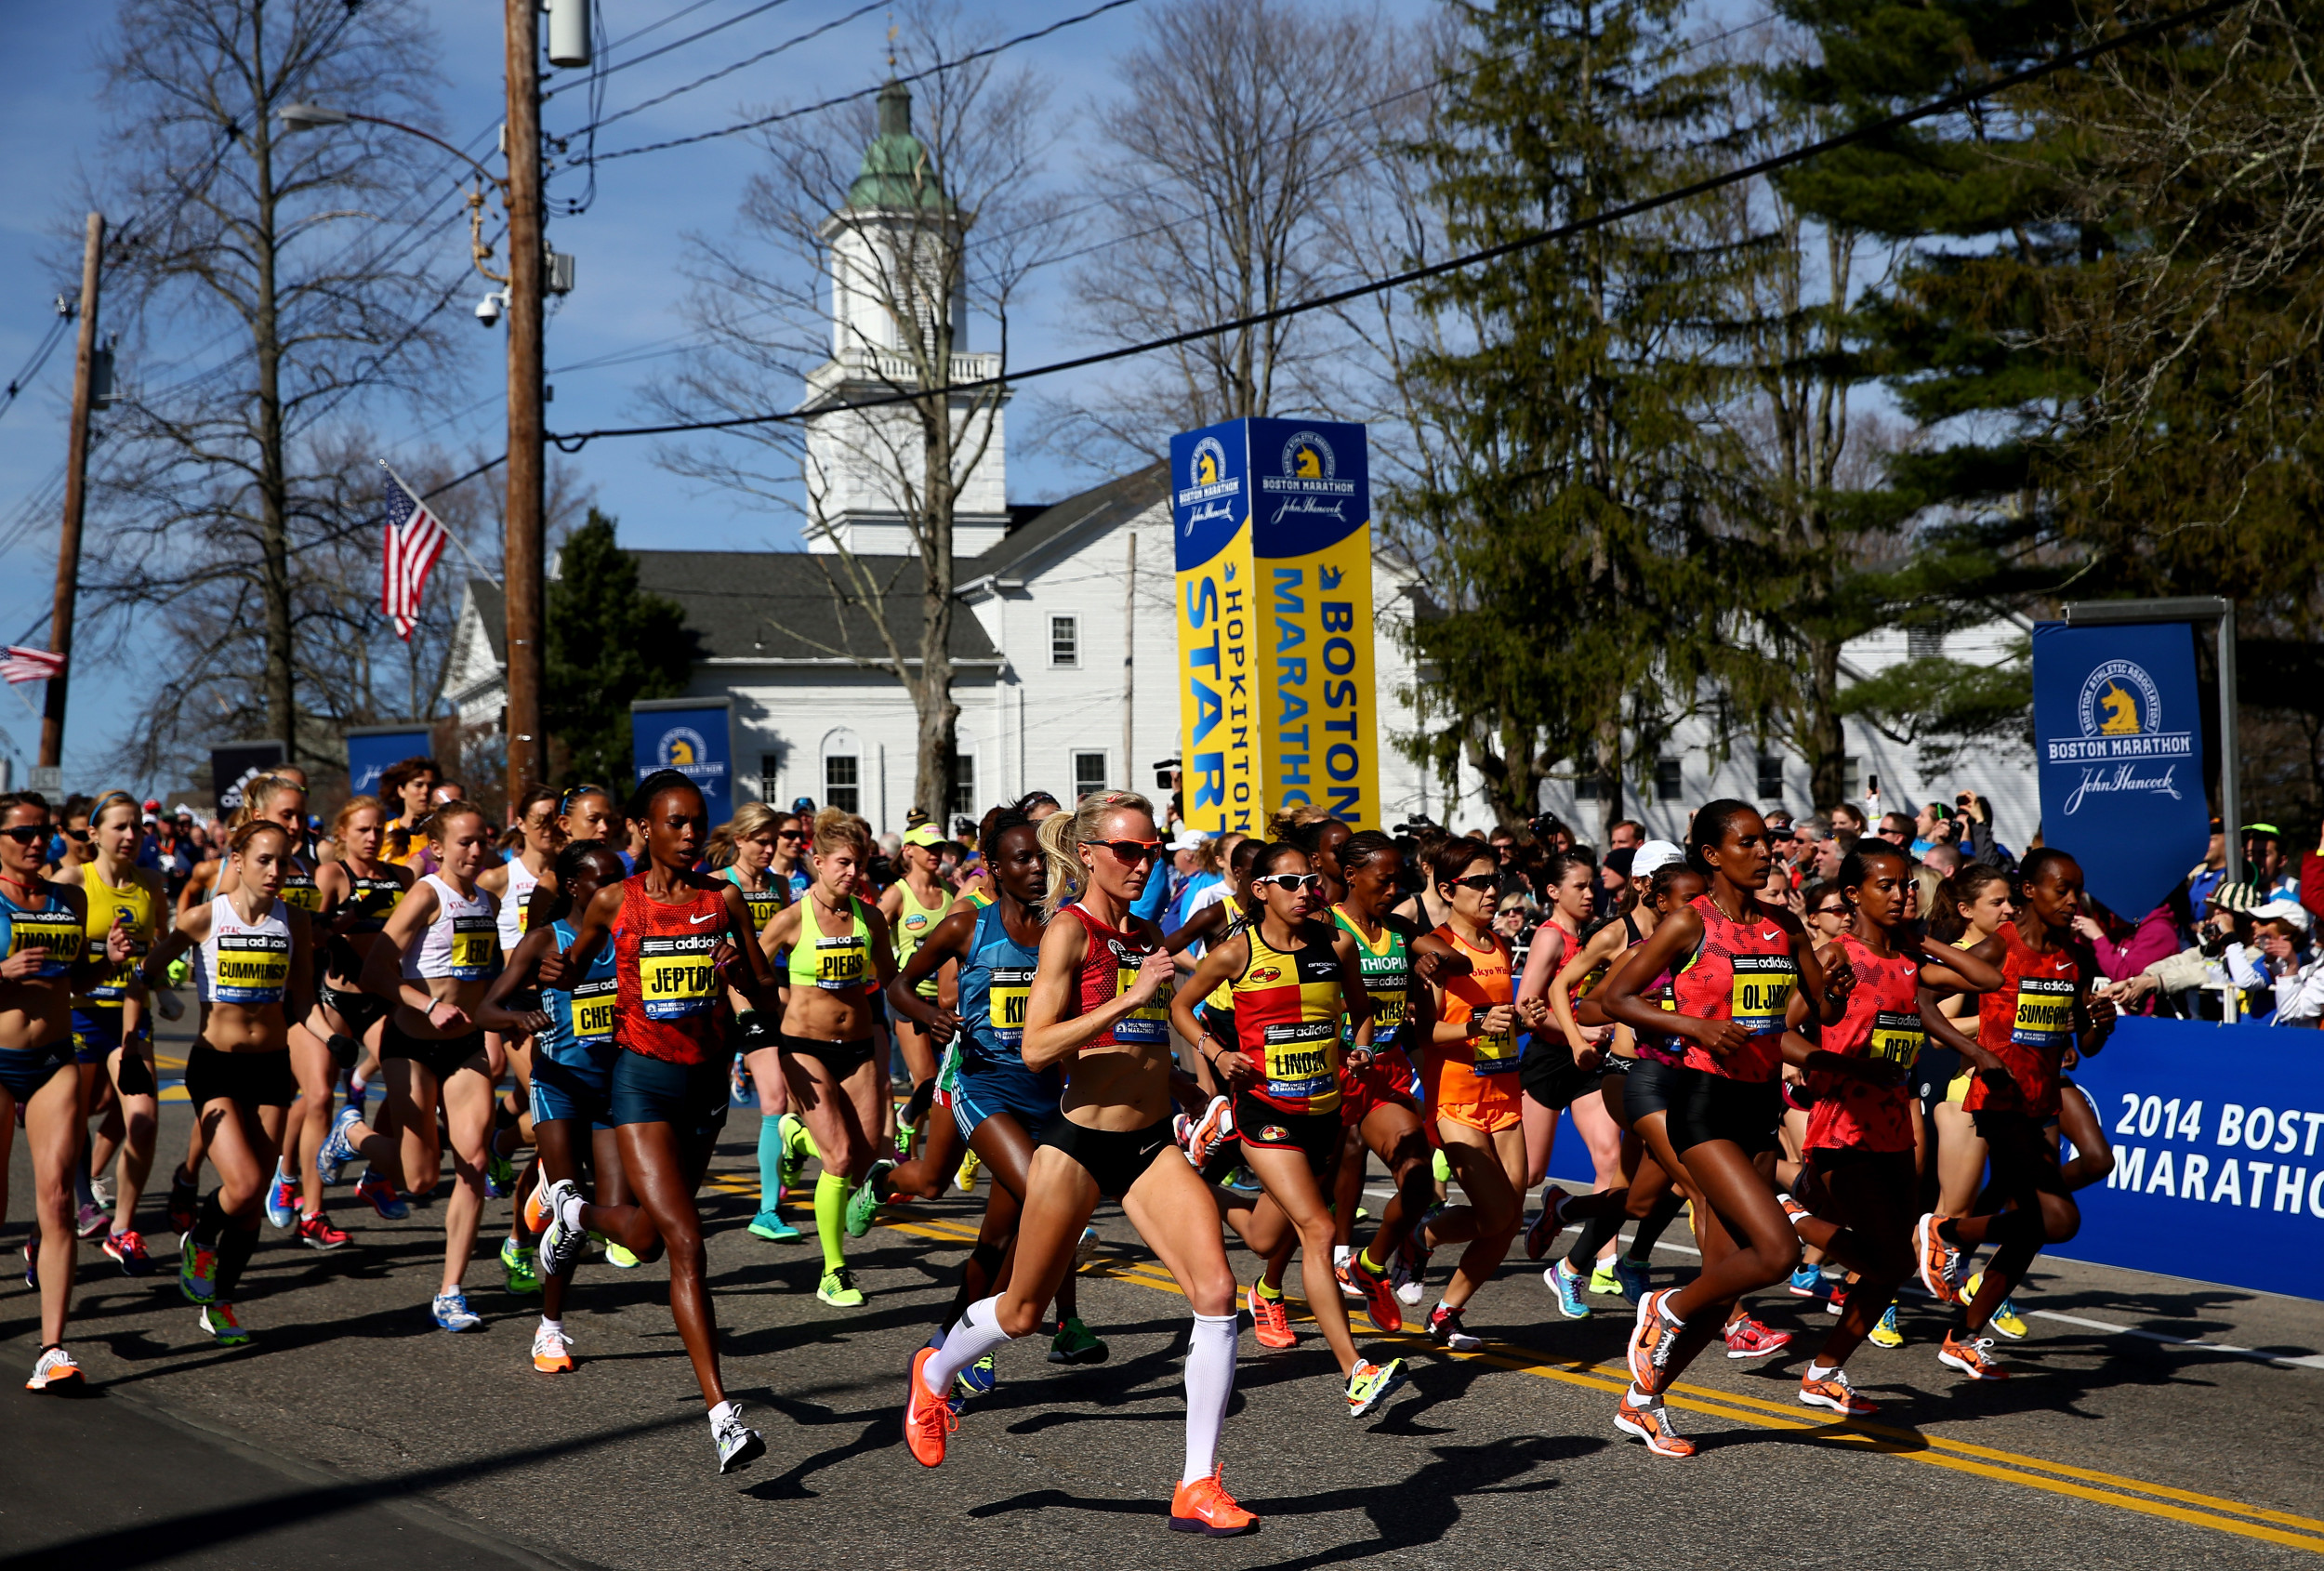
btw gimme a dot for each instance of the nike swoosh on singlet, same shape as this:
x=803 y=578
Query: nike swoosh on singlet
x=705 y=916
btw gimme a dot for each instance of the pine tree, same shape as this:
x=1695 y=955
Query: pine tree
x=608 y=643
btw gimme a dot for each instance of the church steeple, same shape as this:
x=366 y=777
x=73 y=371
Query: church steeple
x=895 y=175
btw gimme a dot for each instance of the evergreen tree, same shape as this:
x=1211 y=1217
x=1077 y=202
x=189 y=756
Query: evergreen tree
x=608 y=643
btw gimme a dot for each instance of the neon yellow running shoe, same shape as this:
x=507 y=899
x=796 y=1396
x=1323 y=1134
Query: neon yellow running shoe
x=516 y=1265
x=838 y=1289
x=620 y=1258
x=1442 y=1167
x=2006 y=1321
x=964 y=1179
x=1887 y=1333
x=1603 y=1280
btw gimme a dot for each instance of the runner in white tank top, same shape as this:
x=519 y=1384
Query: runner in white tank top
x=513 y=883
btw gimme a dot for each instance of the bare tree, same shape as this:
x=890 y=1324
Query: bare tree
x=855 y=271
x=217 y=490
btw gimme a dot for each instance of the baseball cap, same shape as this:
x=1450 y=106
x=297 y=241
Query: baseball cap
x=927 y=835
x=2285 y=910
x=1188 y=840
x=1653 y=857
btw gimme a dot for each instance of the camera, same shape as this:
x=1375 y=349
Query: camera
x=488 y=311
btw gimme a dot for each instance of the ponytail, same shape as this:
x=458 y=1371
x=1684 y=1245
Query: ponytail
x=1064 y=834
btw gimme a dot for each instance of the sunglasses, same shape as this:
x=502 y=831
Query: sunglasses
x=789 y=835
x=27 y=834
x=1130 y=850
x=1481 y=882
x=1291 y=883
x=1829 y=911
x=77 y=834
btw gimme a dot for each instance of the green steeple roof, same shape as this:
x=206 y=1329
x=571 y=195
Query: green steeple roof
x=895 y=171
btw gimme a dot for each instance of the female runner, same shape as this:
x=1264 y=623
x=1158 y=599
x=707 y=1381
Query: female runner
x=913 y=906
x=407 y=784
x=511 y=883
x=359 y=891
x=680 y=941
x=109 y=1028
x=45 y=924
x=756 y=830
x=572 y=1076
x=257 y=977
x=1000 y=1107
x=1098 y=1005
x=1741 y=971
x=1859 y=1190
x=432 y=962
x=838 y=958
x=1293 y=979
x=2041 y=1010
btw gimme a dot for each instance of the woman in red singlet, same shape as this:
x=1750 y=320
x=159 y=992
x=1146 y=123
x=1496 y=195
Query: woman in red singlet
x=1742 y=971
x=680 y=940
x=2041 y=1010
x=1859 y=1182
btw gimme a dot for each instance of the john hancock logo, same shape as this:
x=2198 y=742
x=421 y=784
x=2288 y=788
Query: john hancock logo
x=2123 y=747
x=1310 y=482
x=1209 y=487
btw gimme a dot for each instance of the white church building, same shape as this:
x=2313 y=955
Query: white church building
x=1065 y=658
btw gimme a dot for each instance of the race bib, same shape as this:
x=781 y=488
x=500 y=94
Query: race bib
x=839 y=962
x=674 y=977
x=593 y=1006
x=1762 y=989
x=1898 y=1036
x=300 y=894
x=1152 y=1022
x=763 y=905
x=2045 y=1012
x=114 y=987
x=253 y=967
x=57 y=931
x=1496 y=1052
x=1303 y=1059
x=1005 y=1003
x=475 y=946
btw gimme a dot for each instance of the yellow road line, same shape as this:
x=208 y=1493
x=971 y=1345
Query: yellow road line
x=2102 y=1488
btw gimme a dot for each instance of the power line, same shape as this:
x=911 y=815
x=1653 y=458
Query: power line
x=41 y=351
x=791 y=43
x=575 y=441
x=764 y=120
x=680 y=42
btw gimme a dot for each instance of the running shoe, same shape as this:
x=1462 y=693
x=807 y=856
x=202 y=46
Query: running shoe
x=770 y=1226
x=1631 y=1275
x=1242 y=1181
x=1205 y=1507
x=738 y=1091
x=1348 y=1289
x=1199 y=1136
x=128 y=1247
x=928 y=1419
x=184 y=1203
x=864 y=1200
x=31 y=1260
x=1888 y=1333
x=793 y=1135
x=1793 y=1211
x=317 y=1232
x=336 y=1150
x=1445 y=1330
x=904 y=1140
x=1372 y=1384
x=375 y=1188
x=1746 y=1338
x=838 y=1288
x=1604 y=1281
x=1379 y=1296
x=1441 y=1166
x=1650 y=1422
x=1410 y=1269
x=93 y=1218
x=964 y=1179
x=536 y=1202
x=2006 y=1321
x=1973 y=1358
x=102 y=1192
x=500 y=1175
x=561 y=1241
x=282 y=1200
x=218 y=1320
x=620 y=1257
x=54 y=1370
x=736 y=1441
x=1836 y=1393
x=1406 y=1282
x=1086 y=1247
x=197 y=1271
x=1076 y=1343
x=1837 y=1302
x=1933 y=1259
x=1270 y=1318
x=521 y=1279
x=1565 y=1282
x=1650 y=1342
x=1807 y=1282
x=977 y=1380
x=452 y=1313
x=1546 y=1225
x=552 y=1352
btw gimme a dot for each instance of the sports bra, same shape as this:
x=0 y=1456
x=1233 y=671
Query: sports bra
x=245 y=963
x=509 y=922
x=995 y=980
x=53 y=927
x=463 y=942
x=1110 y=966
x=764 y=902
x=581 y=1017
x=376 y=897
x=105 y=902
x=833 y=961
x=1287 y=1007
x=913 y=923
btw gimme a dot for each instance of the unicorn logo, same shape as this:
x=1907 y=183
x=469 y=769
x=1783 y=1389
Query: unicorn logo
x=1308 y=466
x=2121 y=712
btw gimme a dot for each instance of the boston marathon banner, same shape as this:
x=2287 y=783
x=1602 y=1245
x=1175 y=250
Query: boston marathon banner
x=1272 y=524
x=691 y=735
x=2118 y=741
x=372 y=750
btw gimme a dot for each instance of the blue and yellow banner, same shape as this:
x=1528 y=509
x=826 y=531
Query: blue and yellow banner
x=1273 y=522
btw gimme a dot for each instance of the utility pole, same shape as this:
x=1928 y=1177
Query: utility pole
x=75 y=498
x=522 y=549
x=1129 y=660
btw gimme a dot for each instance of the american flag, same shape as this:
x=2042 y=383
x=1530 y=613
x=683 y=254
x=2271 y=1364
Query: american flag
x=415 y=540
x=22 y=664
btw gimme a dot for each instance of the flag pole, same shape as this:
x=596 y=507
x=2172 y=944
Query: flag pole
x=449 y=533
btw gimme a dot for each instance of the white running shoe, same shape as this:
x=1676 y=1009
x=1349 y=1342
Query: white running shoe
x=736 y=1442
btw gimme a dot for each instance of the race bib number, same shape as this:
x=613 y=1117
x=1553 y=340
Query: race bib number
x=1303 y=1059
x=1150 y=1022
x=1898 y=1036
x=1388 y=1017
x=674 y=977
x=114 y=987
x=475 y=946
x=302 y=896
x=839 y=962
x=57 y=931
x=1005 y=1003
x=378 y=897
x=1762 y=989
x=1495 y=1052
x=253 y=967
x=763 y=905
x=593 y=1006
x=2045 y=1013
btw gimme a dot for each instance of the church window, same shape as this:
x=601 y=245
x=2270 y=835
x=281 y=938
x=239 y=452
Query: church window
x=1064 y=640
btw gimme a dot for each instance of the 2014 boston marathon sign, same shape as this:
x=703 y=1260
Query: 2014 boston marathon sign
x=693 y=736
x=2118 y=743
x=1272 y=520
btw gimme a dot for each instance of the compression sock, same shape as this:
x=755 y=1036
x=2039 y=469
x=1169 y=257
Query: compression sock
x=972 y=1336
x=210 y=1222
x=830 y=1208
x=1665 y=1211
x=1269 y=1293
x=803 y=1144
x=770 y=1163
x=1210 y=1387
x=235 y=1248
x=1595 y=1233
x=1369 y=1264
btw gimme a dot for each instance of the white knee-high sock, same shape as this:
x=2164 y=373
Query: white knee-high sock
x=972 y=1336
x=1209 y=1385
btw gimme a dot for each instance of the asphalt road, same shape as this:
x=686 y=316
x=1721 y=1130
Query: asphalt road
x=352 y=1433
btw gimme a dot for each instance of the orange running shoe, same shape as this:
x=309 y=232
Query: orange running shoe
x=1205 y=1507
x=1934 y=1258
x=1270 y=1318
x=927 y=1420
x=536 y=1206
x=1651 y=1423
x=1379 y=1295
x=1973 y=1359
x=1650 y=1342
x=1836 y=1393
x=552 y=1352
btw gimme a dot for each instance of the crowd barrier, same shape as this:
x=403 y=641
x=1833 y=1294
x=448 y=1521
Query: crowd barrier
x=2218 y=1136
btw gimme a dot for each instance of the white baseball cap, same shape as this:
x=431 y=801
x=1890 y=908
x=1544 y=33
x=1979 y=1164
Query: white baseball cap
x=1653 y=856
x=2287 y=910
